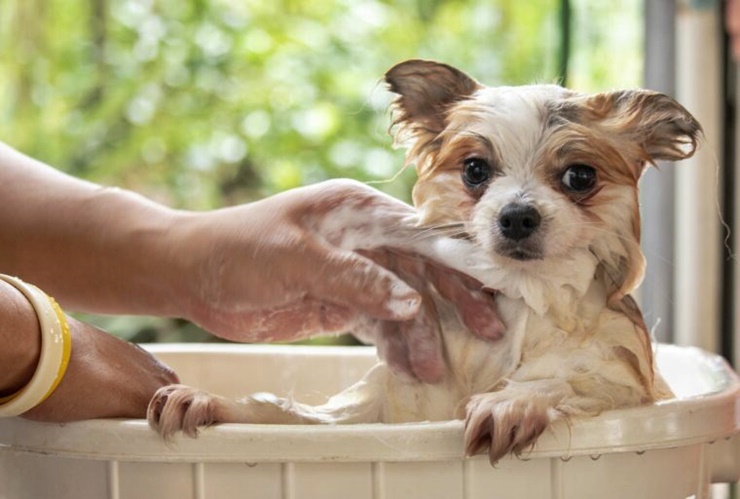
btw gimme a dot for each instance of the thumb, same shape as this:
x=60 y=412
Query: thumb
x=349 y=279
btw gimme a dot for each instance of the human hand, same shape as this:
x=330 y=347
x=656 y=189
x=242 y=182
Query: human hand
x=106 y=377
x=413 y=348
x=285 y=268
x=268 y=271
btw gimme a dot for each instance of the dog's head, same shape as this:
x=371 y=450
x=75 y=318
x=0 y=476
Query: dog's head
x=536 y=173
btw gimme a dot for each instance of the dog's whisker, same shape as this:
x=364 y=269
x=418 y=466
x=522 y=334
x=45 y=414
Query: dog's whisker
x=454 y=230
x=439 y=232
x=450 y=225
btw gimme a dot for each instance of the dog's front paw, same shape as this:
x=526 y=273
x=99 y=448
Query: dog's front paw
x=176 y=408
x=504 y=425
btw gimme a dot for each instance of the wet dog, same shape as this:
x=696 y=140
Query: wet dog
x=536 y=191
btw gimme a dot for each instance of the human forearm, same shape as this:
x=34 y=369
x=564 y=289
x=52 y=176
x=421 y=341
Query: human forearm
x=96 y=249
x=105 y=377
x=272 y=270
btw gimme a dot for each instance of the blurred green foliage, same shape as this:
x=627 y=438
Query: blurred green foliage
x=204 y=103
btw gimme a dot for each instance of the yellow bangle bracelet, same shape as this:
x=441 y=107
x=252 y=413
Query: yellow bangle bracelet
x=56 y=348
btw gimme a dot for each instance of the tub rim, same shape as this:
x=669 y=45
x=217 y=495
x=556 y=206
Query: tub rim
x=675 y=423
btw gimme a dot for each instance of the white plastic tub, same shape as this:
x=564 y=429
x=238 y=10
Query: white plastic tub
x=672 y=450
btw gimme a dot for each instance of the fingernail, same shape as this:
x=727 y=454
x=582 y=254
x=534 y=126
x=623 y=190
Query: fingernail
x=433 y=374
x=404 y=301
x=495 y=329
x=487 y=326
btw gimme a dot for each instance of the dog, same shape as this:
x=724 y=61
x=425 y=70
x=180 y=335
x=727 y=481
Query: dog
x=541 y=185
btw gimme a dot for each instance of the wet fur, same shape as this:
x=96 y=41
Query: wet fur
x=575 y=342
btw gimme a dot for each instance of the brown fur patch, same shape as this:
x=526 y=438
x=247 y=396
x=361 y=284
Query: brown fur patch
x=646 y=126
x=646 y=368
x=440 y=193
x=619 y=134
x=426 y=91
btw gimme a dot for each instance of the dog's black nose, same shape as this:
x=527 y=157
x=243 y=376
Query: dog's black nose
x=518 y=221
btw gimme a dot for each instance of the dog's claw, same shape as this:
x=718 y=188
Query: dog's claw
x=154 y=411
x=176 y=408
x=477 y=432
x=502 y=425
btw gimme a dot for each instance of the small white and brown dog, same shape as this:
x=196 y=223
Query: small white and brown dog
x=542 y=183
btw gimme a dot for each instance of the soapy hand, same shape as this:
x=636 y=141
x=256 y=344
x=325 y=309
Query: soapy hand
x=315 y=260
x=413 y=347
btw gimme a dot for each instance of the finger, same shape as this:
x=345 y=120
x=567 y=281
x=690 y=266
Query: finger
x=420 y=337
x=367 y=330
x=367 y=217
x=365 y=202
x=477 y=309
x=348 y=279
x=423 y=337
x=393 y=349
x=289 y=323
x=422 y=334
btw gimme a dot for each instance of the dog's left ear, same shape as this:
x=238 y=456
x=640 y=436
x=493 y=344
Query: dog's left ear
x=660 y=127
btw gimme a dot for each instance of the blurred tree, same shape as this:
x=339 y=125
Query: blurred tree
x=204 y=103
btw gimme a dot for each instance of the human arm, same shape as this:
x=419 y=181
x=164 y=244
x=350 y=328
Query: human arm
x=257 y=272
x=94 y=248
x=108 y=250
x=106 y=377
x=327 y=258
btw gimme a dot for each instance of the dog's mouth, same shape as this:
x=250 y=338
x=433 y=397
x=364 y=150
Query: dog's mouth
x=521 y=251
x=524 y=255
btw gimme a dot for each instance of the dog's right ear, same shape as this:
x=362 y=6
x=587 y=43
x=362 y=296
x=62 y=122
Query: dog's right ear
x=426 y=90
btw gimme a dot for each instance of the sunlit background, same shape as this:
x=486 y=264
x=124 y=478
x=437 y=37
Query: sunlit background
x=200 y=104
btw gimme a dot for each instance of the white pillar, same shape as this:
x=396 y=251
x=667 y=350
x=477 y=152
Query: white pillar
x=698 y=236
x=658 y=185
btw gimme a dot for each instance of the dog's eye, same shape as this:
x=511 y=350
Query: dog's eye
x=476 y=172
x=579 y=178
